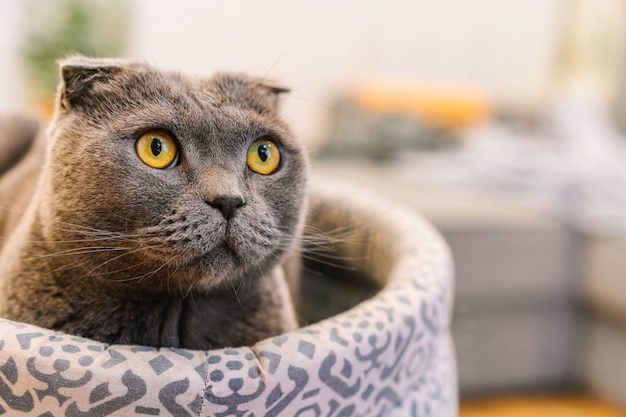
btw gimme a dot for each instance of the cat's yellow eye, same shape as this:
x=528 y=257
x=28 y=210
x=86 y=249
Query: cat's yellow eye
x=263 y=156
x=157 y=150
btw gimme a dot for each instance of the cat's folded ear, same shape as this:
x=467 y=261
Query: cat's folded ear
x=79 y=75
x=273 y=91
x=274 y=87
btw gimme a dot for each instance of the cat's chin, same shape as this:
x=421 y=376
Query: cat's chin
x=221 y=264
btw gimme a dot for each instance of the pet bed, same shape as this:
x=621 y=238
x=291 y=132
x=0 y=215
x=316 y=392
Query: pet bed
x=390 y=355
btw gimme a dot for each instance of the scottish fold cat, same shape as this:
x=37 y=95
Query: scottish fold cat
x=158 y=209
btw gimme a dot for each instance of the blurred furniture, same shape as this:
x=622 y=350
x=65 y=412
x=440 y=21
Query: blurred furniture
x=605 y=293
x=538 y=305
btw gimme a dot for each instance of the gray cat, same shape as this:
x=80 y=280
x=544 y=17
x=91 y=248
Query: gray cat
x=160 y=209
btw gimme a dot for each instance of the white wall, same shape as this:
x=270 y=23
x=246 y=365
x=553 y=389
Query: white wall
x=507 y=47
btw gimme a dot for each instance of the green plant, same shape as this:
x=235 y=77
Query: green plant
x=57 y=28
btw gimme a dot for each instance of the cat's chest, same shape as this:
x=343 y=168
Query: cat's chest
x=195 y=321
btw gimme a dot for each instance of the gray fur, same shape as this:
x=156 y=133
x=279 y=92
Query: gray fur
x=106 y=247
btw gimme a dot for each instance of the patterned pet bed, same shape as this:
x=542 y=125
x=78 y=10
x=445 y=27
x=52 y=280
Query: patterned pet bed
x=391 y=355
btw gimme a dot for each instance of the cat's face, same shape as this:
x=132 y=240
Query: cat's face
x=198 y=179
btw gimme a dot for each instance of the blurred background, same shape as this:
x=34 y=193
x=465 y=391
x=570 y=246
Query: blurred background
x=502 y=122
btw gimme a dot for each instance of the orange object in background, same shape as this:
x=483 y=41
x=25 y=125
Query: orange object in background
x=537 y=405
x=446 y=106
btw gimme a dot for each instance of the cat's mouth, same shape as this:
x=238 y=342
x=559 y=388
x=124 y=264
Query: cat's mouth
x=213 y=252
x=227 y=246
x=219 y=264
x=225 y=253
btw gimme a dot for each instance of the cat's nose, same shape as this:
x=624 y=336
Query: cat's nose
x=227 y=205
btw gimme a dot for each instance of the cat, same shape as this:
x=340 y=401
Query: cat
x=158 y=209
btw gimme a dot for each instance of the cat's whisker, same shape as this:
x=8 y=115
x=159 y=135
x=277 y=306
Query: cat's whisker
x=19 y=212
x=130 y=252
x=328 y=245
x=330 y=256
x=79 y=228
x=98 y=236
x=69 y=241
x=67 y=267
x=75 y=251
x=236 y=293
x=328 y=251
x=104 y=235
x=172 y=258
x=318 y=103
x=310 y=230
x=117 y=271
x=190 y=292
x=189 y=282
x=313 y=81
x=83 y=227
x=283 y=56
x=145 y=276
x=128 y=219
x=326 y=237
x=328 y=263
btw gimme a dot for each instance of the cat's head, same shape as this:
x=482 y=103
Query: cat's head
x=196 y=180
